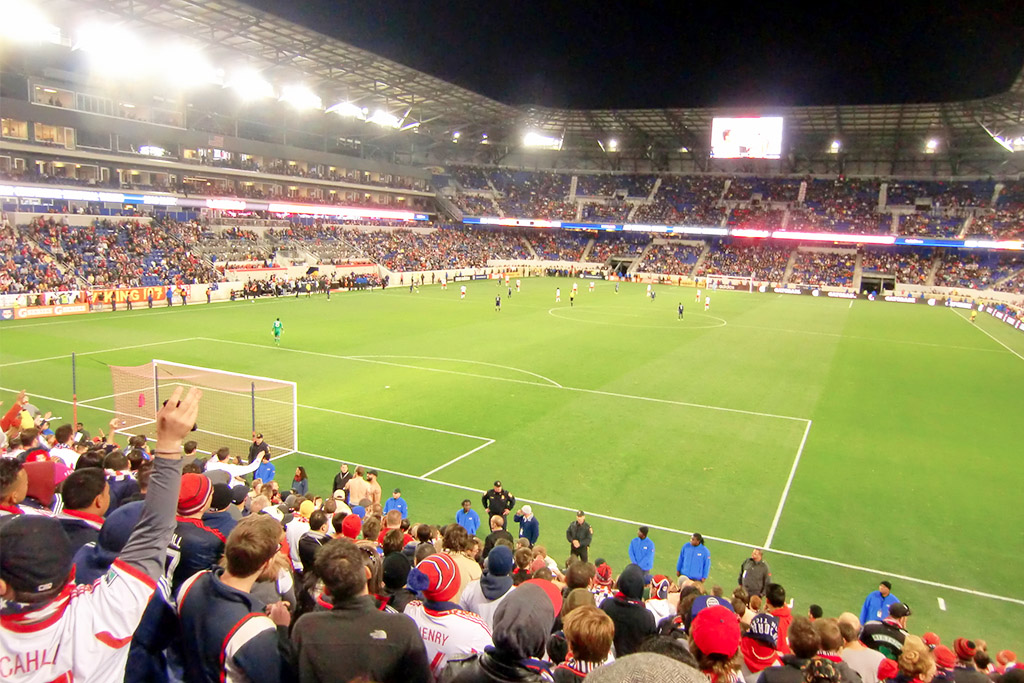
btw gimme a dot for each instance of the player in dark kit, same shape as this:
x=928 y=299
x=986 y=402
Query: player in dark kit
x=497 y=303
x=680 y=310
x=572 y=297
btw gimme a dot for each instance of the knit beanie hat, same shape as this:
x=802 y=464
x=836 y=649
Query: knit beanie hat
x=396 y=569
x=499 y=561
x=944 y=657
x=646 y=667
x=42 y=481
x=436 y=577
x=1004 y=657
x=716 y=631
x=351 y=526
x=631 y=582
x=887 y=669
x=659 y=587
x=195 y=490
x=221 y=497
x=604 y=575
x=931 y=639
x=965 y=649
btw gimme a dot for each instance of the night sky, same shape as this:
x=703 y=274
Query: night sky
x=682 y=54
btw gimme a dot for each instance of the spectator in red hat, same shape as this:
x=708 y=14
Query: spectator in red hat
x=859 y=656
x=715 y=643
x=965 y=670
x=603 y=581
x=1005 y=661
x=931 y=639
x=87 y=632
x=945 y=663
x=197 y=546
x=658 y=604
x=448 y=631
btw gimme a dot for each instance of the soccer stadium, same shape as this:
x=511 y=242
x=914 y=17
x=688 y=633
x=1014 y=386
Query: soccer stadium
x=730 y=393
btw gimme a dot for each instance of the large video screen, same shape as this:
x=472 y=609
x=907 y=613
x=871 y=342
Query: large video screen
x=746 y=138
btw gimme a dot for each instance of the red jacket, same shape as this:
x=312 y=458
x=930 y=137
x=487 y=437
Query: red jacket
x=785 y=618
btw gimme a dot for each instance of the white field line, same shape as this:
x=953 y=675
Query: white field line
x=636 y=523
x=455 y=460
x=394 y=422
x=517 y=381
x=785 y=491
x=986 y=333
x=472 y=362
x=92 y=353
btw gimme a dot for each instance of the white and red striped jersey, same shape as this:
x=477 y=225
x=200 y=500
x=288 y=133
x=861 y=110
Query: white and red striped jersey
x=81 y=636
x=448 y=634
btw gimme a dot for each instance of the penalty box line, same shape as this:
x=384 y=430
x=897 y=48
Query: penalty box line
x=680 y=532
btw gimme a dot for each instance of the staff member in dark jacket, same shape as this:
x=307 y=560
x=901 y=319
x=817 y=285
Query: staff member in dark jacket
x=755 y=575
x=354 y=639
x=579 y=534
x=258 y=447
x=499 y=502
x=633 y=621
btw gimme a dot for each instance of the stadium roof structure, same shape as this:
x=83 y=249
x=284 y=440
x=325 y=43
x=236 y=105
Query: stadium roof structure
x=437 y=109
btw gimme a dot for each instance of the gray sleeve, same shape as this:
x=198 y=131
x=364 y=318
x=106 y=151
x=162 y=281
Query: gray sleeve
x=146 y=549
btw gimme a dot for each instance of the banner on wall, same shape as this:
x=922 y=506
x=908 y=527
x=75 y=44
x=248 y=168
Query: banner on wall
x=125 y=294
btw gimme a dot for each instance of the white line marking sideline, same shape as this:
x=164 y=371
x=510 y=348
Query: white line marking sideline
x=455 y=460
x=986 y=333
x=93 y=353
x=517 y=381
x=785 y=491
x=809 y=558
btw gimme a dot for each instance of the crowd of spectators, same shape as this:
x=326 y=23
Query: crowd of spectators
x=769 y=189
x=612 y=185
x=756 y=217
x=476 y=205
x=820 y=268
x=27 y=268
x=841 y=205
x=267 y=574
x=1000 y=225
x=539 y=194
x=670 y=259
x=685 y=200
x=764 y=262
x=976 y=270
x=126 y=252
x=910 y=266
x=930 y=225
x=612 y=211
x=940 y=193
x=557 y=245
x=611 y=244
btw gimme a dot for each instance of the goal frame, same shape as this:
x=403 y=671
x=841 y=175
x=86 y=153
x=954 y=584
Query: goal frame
x=157 y=363
x=735 y=282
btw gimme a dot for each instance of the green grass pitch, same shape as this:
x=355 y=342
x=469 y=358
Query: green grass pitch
x=907 y=416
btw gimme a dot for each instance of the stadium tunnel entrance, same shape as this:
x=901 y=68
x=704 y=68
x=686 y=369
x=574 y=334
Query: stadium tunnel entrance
x=877 y=282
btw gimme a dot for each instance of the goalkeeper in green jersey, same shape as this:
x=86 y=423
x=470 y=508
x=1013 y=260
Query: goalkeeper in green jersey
x=278 y=327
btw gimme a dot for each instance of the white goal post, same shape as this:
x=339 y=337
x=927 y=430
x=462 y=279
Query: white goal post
x=234 y=405
x=730 y=282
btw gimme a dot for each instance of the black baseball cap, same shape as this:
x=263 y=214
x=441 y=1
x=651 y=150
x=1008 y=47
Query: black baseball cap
x=222 y=496
x=239 y=493
x=497 y=483
x=898 y=610
x=36 y=553
x=580 y=513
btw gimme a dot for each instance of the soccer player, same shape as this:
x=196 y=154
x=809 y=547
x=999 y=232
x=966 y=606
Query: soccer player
x=462 y=292
x=517 y=284
x=497 y=303
x=575 y=287
x=444 y=281
x=278 y=327
x=648 y=291
x=591 y=286
x=558 y=295
x=698 y=296
x=680 y=310
x=616 y=287
x=974 y=314
x=707 y=304
x=653 y=294
x=572 y=297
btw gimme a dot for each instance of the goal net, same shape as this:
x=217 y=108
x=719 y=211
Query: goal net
x=730 y=282
x=234 y=405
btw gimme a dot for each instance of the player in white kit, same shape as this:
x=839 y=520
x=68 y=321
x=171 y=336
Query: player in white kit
x=558 y=295
x=698 y=296
x=462 y=292
x=591 y=285
x=707 y=303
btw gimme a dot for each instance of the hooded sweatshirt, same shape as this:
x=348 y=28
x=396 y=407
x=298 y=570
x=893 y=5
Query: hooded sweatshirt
x=633 y=621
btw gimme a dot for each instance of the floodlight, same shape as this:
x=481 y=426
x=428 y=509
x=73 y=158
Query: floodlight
x=24 y=23
x=301 y=97
x=349 y=109
x=186 y=66
x=613 y=145
x=385 y=119
x=250 y=85
x=534 y=139
x=931 y=146
x=836 y=145
x=107 y=45
x=456 y=135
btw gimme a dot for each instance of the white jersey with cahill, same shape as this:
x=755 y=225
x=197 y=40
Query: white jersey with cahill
x=448 y=634
x=81 y=636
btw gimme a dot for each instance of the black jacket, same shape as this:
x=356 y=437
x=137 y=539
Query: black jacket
x=356 y=639
x=791 y=671
x=493 y=537
x=498 y=502
x=633 y=623
x=339 y=482
x=579 y=532
x=490 y=667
